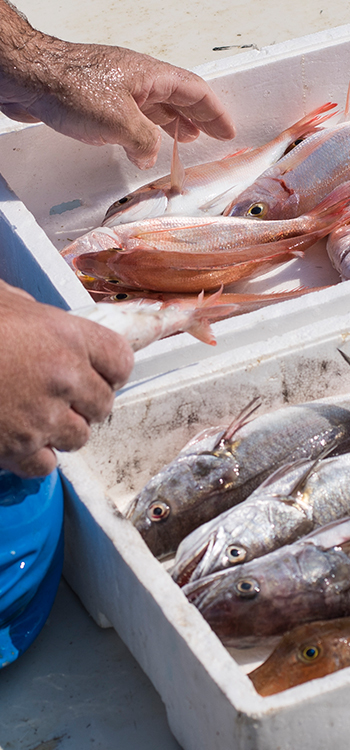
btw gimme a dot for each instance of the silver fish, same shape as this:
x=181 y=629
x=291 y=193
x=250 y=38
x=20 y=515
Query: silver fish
x=301 y=582
x=300 y=180
x=292 y=502
x=221 y=467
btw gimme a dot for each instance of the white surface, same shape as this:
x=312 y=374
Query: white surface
x=24 y=683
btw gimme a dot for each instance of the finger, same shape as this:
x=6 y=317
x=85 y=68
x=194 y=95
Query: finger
x=4 y=287
x=110 y=354
x=71 y=432
x=139 y=136
x=18 y=113
x=39 y=464
x=167 y=117
x=195 y=100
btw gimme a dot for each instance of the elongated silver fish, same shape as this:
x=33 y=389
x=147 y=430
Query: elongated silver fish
x=301 y=582
x=292 y=502
x=221 y=467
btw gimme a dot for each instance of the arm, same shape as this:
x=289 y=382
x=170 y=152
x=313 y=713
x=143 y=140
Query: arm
x=102 y=94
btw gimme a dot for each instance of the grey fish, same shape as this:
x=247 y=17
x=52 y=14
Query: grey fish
x=219 y=468
x=301 y=582
x=292 y=502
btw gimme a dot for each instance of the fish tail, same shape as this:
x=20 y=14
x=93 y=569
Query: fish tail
x=202 y=331
x=308 y=123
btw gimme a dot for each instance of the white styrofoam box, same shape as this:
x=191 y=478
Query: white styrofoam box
x=286 y=354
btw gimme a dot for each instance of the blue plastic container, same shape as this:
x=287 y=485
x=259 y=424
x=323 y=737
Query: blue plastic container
x=31 y=558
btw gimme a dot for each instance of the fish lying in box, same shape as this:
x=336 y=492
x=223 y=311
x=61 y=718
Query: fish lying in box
x=300 y=180
x=184 y=254
x=301 y=582
x=220 y=467
x=208 y=188
x=305 y=653
x=292 y=502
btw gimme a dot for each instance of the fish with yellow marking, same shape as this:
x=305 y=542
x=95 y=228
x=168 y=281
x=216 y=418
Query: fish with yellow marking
x=305 y=653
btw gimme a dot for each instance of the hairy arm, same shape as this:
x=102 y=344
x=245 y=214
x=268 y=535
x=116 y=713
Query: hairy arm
x=102 y=94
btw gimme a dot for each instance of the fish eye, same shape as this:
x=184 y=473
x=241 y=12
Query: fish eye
x=258 y=210
x=247 y=588
x=235 y=554
x=158 y=511
x=309 y=653
x=123 y=200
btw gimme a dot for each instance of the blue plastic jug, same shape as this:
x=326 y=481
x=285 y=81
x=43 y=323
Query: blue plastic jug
x=31 y=558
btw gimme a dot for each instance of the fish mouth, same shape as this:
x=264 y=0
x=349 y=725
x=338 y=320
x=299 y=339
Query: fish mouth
x=186 y=574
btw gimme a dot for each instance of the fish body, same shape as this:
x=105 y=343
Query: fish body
x=292 y=502
x=221 y=467
x=338 y=249
x=300 y=180
x=242 y=302
x=305 y=653
x=145 y=321
x=301 y=582
x=182 y=254
x=207 y=188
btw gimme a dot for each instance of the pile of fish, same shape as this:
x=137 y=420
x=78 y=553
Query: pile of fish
x=212 y=225
x=258 y=516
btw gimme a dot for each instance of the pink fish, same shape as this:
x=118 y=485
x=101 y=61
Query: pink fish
x=208 y=188
x=145 y=321
x=188 y=254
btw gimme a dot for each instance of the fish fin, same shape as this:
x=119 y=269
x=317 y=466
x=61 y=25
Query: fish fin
x=301 y=482
x=313 y=119
x=333 y=534
x=202 y=331
x=215 y=201
x=177 y=172
x=345 y=356
x=334 y=204
x=239 y=421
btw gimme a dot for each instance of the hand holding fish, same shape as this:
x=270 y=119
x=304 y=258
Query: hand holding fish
x=102 y=94
x=59 y=373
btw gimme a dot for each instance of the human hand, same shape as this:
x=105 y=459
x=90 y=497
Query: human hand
x=103 y=94
x=58 y=373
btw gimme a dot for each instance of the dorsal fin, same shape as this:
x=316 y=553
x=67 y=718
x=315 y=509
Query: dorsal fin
x=177 y=172
x=239 y=421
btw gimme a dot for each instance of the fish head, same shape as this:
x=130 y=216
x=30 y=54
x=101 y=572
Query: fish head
x=145 y=203
x=251 y=529
x=268 y=199
x=178 y=498
x=263 y=597
x=99 y=264
x=305 y=653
